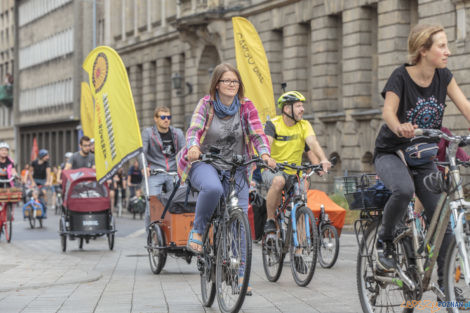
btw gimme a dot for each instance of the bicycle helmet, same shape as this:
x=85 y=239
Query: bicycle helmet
x=42 y=153
x=4 y=145
x=289 y=98
x=68 y=155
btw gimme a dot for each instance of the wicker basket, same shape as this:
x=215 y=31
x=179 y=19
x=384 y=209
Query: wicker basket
x=365 y=192
x=11 y=194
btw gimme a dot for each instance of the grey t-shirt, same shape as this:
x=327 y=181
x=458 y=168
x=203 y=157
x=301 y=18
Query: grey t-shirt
x=78 y=161
x=227 y=136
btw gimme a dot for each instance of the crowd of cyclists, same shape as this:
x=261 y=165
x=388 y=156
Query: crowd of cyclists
x=226 y=121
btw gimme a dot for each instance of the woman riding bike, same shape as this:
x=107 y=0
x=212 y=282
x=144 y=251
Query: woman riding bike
x=415 y=97
x=224 y=119
x=7 y=167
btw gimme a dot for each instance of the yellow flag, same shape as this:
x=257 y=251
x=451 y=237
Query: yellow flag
x=254 y=68
x=86 y=110
x=116 y=128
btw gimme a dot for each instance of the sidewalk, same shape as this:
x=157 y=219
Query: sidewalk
x=36 y=277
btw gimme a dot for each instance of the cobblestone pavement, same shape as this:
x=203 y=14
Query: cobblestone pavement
x=36 y=277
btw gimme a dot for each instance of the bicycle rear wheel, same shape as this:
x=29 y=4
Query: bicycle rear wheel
x=304 y=247
x=329 y=246
x=233 y=265
x=455 y=288
x=206 y=266
x=374 y=295
x=273 y=257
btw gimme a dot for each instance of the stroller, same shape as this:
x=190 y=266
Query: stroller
x=86 y=209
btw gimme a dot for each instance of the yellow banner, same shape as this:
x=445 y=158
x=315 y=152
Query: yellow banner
x=254 y=68
x=86 y=110
x=116 y=128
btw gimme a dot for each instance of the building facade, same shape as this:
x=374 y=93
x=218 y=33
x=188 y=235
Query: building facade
x=339 y=53
x=53 y=38
x=7 y=40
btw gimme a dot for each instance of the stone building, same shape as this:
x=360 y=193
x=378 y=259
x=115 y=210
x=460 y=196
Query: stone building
x=7 y=39
x=339 y=53
x=53 y=38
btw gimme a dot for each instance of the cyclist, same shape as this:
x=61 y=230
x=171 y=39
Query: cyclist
x=161 y=143
x=40 y=175
x=7 y=166
x=67 y=157
x=288 y=134
x=415 y=96
x=82 y=158
x=224 y=119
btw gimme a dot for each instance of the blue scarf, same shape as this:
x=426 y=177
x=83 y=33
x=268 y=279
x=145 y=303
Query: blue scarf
x=221 y=110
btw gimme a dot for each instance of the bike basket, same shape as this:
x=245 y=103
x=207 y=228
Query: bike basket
x=10 y=194
x=365 y=192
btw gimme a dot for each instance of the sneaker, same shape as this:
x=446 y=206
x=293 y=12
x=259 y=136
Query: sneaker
x=386 y=256
x=270 y=226
x=459 y=296
x=300 y=265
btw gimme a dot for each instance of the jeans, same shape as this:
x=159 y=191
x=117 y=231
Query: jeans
x=397 y=178
x=211 y=186
x=156 y=183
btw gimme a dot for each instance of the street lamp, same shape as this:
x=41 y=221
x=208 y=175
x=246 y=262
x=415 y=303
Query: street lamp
x=177 y=81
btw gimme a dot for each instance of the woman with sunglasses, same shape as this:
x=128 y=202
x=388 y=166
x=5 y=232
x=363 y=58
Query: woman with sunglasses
x=224 y=119
x=161 y=143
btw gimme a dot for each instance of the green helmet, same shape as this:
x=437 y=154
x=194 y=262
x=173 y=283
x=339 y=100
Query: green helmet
x=289 y=97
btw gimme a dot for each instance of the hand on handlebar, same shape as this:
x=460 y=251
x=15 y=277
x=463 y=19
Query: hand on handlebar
x=326 y=165
x=193 y=154
x=406 y=130
x=269 y=161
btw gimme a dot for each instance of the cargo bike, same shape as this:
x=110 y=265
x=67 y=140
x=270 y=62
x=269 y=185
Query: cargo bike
x=86 y=209
x=171 y=216
x=9 y=197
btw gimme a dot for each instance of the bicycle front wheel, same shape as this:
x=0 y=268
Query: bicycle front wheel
x=8 y=223
x=329 y=246
x=456 y=289
x=304 y=246
x=156 y=243
x=206 y=265
x=233 y=265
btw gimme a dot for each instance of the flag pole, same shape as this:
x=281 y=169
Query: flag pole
x=144 y=167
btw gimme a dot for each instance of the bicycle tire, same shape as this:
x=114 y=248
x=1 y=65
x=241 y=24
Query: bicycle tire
x=328 y=245
x=63 y=237
x=7 y=225
x=272 y=254
x=230 y=254
x=368 y=244
x=157 y=257
x=309 y=248
x=453 y=276
x=206 y=266
x=32 y=219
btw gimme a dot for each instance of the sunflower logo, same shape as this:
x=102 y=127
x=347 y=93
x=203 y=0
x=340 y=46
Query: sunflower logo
x=100 y=71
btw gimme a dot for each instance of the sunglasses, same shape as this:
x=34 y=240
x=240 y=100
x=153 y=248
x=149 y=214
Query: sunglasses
x=165 y=117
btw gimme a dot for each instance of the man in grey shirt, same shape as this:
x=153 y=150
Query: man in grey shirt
x=82 y=158
x=161 y=143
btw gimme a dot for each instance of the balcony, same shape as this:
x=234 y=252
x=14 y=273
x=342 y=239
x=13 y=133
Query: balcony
x=6 y=95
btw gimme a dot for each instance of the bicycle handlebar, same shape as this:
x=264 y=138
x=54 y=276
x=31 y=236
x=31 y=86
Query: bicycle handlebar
x=237 y=160
x=156 y=171
x=9 y=180
x=316 y=168
x=436 y=133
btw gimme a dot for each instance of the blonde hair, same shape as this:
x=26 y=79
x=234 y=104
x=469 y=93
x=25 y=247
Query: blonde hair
x=421 y=37
x=159 y=109
x=217 y=74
